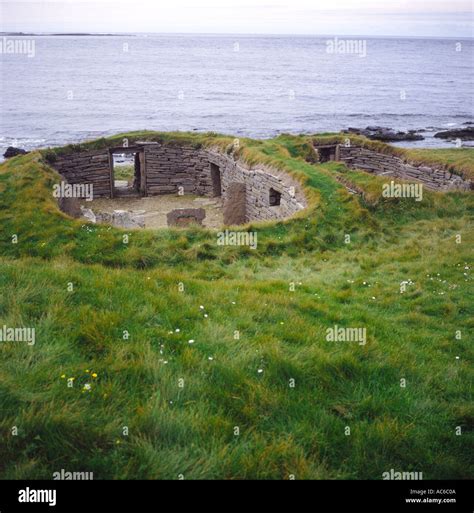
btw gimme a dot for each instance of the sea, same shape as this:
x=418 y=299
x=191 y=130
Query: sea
x=71 y=88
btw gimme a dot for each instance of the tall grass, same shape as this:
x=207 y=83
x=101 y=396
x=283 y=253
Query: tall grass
x=258 y=321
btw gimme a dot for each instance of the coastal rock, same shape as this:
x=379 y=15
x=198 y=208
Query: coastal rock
x=385 y=134
x=11 y=151
x=465 y=134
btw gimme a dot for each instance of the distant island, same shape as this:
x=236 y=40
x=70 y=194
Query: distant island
x=75 y=34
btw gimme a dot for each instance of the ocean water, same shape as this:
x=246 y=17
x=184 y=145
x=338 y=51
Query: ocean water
x=82 y=87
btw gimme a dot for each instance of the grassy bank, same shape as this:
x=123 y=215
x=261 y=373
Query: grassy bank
x=257 y=320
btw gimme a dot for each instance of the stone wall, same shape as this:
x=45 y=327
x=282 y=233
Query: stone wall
x=392 y=166
x=258 y=182
x=169 y=167
x=89 y=167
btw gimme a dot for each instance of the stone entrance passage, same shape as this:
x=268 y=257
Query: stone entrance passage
x=216 y=180
x=127 y=171
x=327 y=153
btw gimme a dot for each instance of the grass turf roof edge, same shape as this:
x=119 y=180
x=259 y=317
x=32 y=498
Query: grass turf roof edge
x=225 y=143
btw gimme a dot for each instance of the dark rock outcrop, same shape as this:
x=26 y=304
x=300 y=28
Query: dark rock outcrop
x=380 y=133
x=465 y=134
x=11 y=151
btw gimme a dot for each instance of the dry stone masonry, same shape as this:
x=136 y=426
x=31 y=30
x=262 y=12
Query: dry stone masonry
x=258 y=183
x=91 y=167
x=392 y=166
x=170 y=167
x=248 y=193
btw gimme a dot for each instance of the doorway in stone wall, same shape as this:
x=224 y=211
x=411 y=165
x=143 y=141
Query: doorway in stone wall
x=128 y=176
x=327 y=153
x=216 y=180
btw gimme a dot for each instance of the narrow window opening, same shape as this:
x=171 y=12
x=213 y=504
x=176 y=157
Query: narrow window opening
x=275 y=198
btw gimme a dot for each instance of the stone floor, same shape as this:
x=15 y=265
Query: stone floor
x=155 y=208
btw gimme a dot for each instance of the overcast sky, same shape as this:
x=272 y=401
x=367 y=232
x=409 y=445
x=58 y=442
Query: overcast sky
x=443 y=18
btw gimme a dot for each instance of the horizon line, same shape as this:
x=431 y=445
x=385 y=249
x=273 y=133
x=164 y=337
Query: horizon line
x=248 y=34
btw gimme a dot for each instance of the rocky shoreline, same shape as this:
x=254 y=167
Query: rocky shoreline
x=386 y=134
x=11 y=151
x=465 y=134
x=375 y=133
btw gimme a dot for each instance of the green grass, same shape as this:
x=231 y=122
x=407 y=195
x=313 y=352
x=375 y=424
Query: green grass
x=456 y=158
x=124 y=173
x=283 y=430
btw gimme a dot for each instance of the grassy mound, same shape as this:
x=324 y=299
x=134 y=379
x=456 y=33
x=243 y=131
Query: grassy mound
x=172 y=342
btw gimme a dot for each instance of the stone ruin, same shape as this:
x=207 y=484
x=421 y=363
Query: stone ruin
x=358 y=157
x=248 y=192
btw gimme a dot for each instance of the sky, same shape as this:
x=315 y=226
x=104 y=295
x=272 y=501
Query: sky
x=422 y=18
